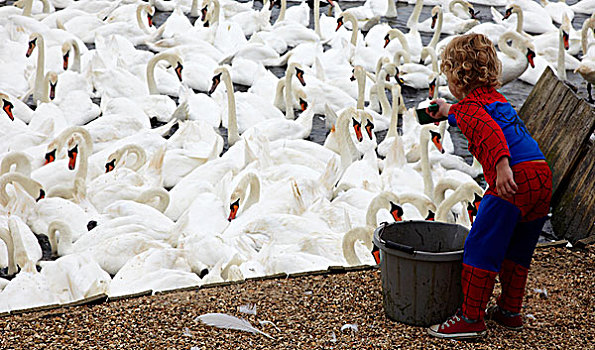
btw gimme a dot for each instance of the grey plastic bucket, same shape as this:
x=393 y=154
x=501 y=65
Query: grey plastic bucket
x=420 y=268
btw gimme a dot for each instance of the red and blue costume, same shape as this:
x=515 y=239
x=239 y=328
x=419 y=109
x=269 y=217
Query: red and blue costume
x=505 y=232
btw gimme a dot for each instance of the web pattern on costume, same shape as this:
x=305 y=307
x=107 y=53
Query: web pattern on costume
x=534 y=191
x=513 y=278
x=477 y=288
x=486 y=139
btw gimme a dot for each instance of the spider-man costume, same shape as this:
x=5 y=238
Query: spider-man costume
x=505 y=232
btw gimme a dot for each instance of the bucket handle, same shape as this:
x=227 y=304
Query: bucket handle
x=393 y=245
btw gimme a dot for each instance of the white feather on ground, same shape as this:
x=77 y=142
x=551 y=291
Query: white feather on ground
x=229 y=322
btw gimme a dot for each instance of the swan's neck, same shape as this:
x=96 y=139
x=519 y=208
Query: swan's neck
x=414 y=18
x=379 y=202
x=151 y=74
x=279 y=94
x=396 y=33
x=432 y=54
x=346 y=146
x=45 y=93
x=139 y=20
x=402 y=54
x=30 y=185
x=19 y=160
x=348 y=245
x=149 y=195
x=7 y=238
x=425 y=164
x=282 y=11
x=561 y=64
x=64 y=246
x=140 y=156
x=454 y=3
x=76 y=60
x=444 y=208
x=380 y=85
x=590 y=23
x=437 y=31
x=394 y=116
x=252 y=182
x=232 y=123
x=289 y=73
x=519 y=21
x=505 y=48
x=83 y=165
x=46 y=6
x=361 y=87
x=28 y=7
x=39 y=75
x=317 y=18
x=351 y=18
x=391 y=10
x=423 y=204
x=216 y=9
x=194 y=9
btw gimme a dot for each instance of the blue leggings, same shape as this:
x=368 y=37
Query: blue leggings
x=498 y=233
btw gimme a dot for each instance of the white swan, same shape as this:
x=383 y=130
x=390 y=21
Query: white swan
x=587 y=67
x=452 y=23
x=514 y=61
x=465 y=192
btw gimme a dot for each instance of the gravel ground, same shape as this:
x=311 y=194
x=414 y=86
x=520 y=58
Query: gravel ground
x=308 y=310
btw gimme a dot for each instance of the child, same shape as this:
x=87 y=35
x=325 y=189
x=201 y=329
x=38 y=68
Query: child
x=515 y=206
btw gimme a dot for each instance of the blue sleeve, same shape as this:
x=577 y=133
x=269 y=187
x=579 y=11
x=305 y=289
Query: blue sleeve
x=452 y=120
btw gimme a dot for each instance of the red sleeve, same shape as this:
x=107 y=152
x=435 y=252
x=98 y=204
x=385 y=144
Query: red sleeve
x=486 y=139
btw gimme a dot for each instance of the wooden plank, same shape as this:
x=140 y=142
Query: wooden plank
x=574 y=217
x=560 y=122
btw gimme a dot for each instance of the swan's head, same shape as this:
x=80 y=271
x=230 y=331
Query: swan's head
x=178 y=69
x=272 y=4
x=110 y=165
x=65 y=55
x=512 y=9
x=472 y=207
x=369 y=129
x=436 y=140
x=431 y=216
x=50 y=155
x=72 y=156
x=472 y=12
x=216 y=81
x=32 y=44
x=565 y=38
x=150 y=11
x=7 y=106
x=357 y=127
x=53 y=81
x=300 y=76
x=432 y=86
x=435 y=13
x=339 y=22
x=396 y=211
x=233 y=209
x=530 y=57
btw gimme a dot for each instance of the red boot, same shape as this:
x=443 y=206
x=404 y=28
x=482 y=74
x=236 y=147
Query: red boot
x=468 y=322
x=513 y=278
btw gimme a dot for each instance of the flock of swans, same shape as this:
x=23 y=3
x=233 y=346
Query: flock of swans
x=128 y=207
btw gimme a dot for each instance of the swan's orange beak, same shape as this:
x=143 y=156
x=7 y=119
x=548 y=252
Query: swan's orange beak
x=216 y=81
x=32 y=44
x=339 y=23
x=150 y=19
x=65 y=60
x=204 y=10
x=477 y=201
x=53 y=90
x=7 y=107
x=273 y=2
x=431 y=216
x=109 y=166
x=386 y=40
x=357 y=126
x=530 y=57
x=369 y=129
x=432 y=88
x=72 y=155
x=565 y=39
x=376 y=254
x=508 y=13
x=300 y=75
x=41 y=195
x=434 y=18
x=233 y=210
x=436 y=140
x=50 y=157
x=303 y=104
x=178 y=70
x=330 y=2
x=396 y=211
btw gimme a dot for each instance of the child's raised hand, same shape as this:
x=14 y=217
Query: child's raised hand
x=443 y=109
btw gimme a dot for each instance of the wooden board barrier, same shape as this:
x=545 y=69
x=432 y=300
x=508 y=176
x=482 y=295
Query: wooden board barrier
x=562 y=123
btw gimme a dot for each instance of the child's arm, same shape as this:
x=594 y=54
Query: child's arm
x=505 y=184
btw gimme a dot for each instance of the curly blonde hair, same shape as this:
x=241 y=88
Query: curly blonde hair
x=472 y=62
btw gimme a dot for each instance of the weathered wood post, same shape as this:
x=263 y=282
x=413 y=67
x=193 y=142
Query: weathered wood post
x=563 y=125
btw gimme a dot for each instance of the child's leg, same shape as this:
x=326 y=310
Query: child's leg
x=513 y=274
x=485 y=249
